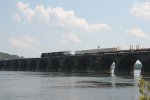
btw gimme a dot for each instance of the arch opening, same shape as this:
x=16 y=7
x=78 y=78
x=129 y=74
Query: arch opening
x=32 y=66
x=23 y=66
x=83 y=65
x=55 y=65
x=113 y=67
x=43 y=65
x=68 y=65
x=137 y=68
x=126 y=66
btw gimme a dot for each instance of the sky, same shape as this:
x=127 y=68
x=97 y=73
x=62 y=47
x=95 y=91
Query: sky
x=30 y=27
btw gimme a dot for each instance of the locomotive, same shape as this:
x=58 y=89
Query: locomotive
x=54 y=54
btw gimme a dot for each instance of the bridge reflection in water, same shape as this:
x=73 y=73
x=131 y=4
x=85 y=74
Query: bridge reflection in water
x=100 y=63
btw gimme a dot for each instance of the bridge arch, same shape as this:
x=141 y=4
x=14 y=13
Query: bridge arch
x=8 y=66
x=126 y=65
x=15 y=66
x=32 y=66
x=83 y=64
x=145 y=60
x=68 y=65
x=24 y=65
x=1 y=65
x=55 y=65
x=103 y=65
x=43 y=65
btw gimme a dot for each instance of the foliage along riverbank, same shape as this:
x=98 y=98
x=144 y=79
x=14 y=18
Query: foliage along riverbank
x=6 y=56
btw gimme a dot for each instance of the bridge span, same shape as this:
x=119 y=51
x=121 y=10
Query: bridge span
x=96 y=63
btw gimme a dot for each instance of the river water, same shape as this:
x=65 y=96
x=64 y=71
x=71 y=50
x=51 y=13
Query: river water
x=60 y=86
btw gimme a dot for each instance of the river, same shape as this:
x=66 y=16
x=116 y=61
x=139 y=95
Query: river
x=60 y=86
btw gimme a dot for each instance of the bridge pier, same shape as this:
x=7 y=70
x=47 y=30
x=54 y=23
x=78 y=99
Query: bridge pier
x=23 y=65
x=8 y=65
x=54 y=65
x=49 y=65
x=83 y=65
x=68 y=65
x=42 y=65
x=32 y=65
x=102 y=65
x=15 y=65
x=2 y=65
x=145 y=71
x=125 y=64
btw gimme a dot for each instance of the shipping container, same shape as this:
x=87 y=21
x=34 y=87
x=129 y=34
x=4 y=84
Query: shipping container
x=95 y=51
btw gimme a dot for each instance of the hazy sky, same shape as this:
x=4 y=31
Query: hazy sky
x=29 y=27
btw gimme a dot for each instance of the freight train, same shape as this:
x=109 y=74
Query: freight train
x=81 y=52
x=92 y=52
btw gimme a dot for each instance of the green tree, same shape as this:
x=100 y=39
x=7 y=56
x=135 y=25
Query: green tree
x=6 y=56
x=144 y=89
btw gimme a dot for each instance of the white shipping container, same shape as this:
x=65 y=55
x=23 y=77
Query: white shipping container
x=94 y=51
x=108 y=49
x=87 y=51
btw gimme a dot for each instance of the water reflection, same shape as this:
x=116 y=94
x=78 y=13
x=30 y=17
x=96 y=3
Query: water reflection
x=122 y=85
x=96 y=84
x=67 y=86
x=102 y=81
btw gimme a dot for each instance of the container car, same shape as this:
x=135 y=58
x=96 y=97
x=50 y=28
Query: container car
x=95 y=51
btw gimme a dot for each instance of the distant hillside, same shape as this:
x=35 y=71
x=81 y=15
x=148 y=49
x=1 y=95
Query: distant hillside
x=6 y=56
x=138 y=66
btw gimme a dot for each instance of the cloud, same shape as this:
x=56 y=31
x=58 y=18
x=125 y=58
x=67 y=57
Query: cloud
x=23 y=42
x=27 y=12
x=57 y=20
x=137 y=32
x=16 y=17
x=141 y=10
x=70 y=38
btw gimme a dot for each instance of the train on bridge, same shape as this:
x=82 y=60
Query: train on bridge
x=81 y=52
x=89 y=61
x=54 y=54
x=92 y=52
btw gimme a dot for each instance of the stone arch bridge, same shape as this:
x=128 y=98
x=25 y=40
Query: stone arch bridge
x=100 y=63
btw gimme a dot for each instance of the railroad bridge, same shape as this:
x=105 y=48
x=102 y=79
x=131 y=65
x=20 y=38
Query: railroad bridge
x=98 y=63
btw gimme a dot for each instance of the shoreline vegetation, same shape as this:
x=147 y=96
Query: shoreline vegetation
x=6 y=56
x=144 y=89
